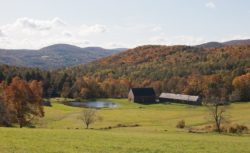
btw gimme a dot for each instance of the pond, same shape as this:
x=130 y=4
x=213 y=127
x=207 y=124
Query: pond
x=96 y=104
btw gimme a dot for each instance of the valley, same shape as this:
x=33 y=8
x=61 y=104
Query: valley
x=61 y=130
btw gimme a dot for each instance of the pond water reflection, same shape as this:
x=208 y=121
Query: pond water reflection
x=96 y=104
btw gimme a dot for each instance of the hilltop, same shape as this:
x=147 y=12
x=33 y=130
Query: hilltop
x=161 y=62
x=178 y=69
x=223 y=44
x=54 y=56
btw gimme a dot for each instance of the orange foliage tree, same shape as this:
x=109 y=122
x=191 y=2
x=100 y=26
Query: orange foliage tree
x=4 y=114
x=24 y=101
x=242 y=86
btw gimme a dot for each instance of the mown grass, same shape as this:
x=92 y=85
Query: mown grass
x=84 y=141
x=61 y=130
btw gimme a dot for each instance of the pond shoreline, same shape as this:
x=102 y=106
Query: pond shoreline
x=92 y=104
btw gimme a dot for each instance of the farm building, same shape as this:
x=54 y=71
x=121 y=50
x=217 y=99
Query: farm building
x=142 y=95
x=179 y=98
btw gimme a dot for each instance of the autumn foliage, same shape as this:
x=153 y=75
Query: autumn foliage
x=21 y=101
x=242 y=86
x=179 y=69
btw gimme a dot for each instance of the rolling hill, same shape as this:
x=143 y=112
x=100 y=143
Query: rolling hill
x=63 y=55
x=55 y=56
x=223 y=44
x=61 y=130
x=238 y=42
x=177 y=69
x=162 y=62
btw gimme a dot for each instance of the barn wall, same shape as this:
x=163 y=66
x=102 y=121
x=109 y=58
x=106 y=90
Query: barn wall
x=180 y=101
x=131 y=96
x=145 y=99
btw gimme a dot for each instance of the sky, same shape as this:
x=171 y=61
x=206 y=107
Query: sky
x=33 y=24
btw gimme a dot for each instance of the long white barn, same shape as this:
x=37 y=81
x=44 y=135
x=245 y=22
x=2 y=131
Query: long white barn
x=180 y=98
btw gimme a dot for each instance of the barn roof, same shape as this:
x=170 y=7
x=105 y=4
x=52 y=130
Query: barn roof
x=179 y=97
x=143 y=91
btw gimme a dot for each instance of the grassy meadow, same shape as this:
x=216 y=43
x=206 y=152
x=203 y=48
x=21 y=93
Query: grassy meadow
x=62 y=131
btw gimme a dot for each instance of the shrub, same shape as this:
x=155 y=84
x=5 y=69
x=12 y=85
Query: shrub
x=181 y=124
x=89 y=117
x=236 y=128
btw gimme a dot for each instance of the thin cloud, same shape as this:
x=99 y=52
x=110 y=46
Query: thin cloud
x=98 y=28
x=176 y=40
x=2 y=33
x=67 y=34
x=189 y=40
x=115 y=45
x=210 y=5
x=93 y=29
x=38 y=24
x=235 y=37
x=158 y=40
x=34 y=34
x=157 y=29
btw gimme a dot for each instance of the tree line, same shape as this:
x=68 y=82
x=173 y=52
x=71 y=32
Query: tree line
x=215 y=72
x=20 y=102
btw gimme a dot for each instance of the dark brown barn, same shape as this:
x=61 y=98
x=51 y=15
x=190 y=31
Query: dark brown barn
x=179 y=98
x=142 y=95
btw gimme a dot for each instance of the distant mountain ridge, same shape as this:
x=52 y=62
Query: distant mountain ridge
x=223 y=44
x=238 y=42
x=157 y=62
x=54 y=56
x=64 y=55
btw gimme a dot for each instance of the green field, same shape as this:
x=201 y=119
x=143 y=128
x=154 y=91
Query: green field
x=61 y=131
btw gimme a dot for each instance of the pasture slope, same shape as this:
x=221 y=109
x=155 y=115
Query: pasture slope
x=61 y=131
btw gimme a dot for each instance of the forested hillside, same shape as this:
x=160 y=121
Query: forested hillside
x=54 y=56
x=52 y=81
x=161 y=62
x=224 y=44
x=179 y=69
x=220 y=72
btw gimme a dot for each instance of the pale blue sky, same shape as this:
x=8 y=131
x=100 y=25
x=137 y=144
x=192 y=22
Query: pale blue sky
x=121 y=23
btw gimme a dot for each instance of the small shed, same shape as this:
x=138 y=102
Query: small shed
x=142 y=95
x=180 y=98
